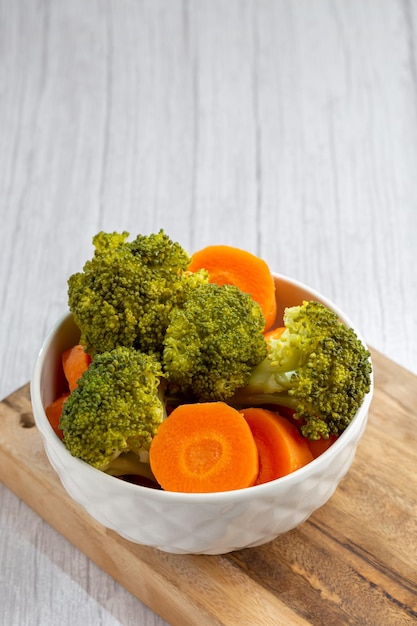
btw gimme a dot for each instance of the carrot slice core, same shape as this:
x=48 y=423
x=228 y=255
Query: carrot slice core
x=202 y=448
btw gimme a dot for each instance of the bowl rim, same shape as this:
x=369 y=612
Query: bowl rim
x=180 y=497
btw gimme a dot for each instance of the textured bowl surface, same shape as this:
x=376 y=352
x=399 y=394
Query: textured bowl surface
x=212 y=523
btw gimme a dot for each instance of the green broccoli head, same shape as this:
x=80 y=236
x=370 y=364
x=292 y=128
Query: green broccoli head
x=125 y=294
x=318 y=367
x=116 y=408
x=213 y=343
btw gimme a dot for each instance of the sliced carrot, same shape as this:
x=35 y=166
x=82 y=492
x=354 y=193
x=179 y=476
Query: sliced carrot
x=203 y=448
x=53 y=413
x=281 y=447
x=287 y=412
x=320 y=445
x=227 y=265
x=75 y=361
x=275 y=333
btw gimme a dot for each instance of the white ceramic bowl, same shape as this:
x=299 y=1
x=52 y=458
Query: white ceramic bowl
x=182 y=523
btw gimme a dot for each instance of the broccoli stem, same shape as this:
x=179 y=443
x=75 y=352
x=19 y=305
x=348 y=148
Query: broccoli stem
x=128 y=463
x=263 y=399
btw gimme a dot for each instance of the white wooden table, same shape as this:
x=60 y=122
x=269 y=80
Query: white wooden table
x=286 y=128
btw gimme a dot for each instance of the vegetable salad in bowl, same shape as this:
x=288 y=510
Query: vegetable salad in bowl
x=194 y=380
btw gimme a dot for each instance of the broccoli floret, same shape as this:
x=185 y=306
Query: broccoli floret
x=125 y=294
x=318 y=367
x=213 y=343
x=116 y=408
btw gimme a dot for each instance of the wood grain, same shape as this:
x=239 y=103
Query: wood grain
x=353 y=562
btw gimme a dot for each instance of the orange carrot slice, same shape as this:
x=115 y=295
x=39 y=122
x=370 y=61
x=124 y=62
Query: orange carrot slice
x=281 y=447
x=53 y=413
x=204 y=447
x=320 y=445
x=75 y=361
x=227 y=265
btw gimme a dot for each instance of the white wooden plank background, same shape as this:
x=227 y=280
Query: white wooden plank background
x=286 y=128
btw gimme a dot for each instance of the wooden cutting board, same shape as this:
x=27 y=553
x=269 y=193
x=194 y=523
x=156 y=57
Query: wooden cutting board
x=353 y=562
